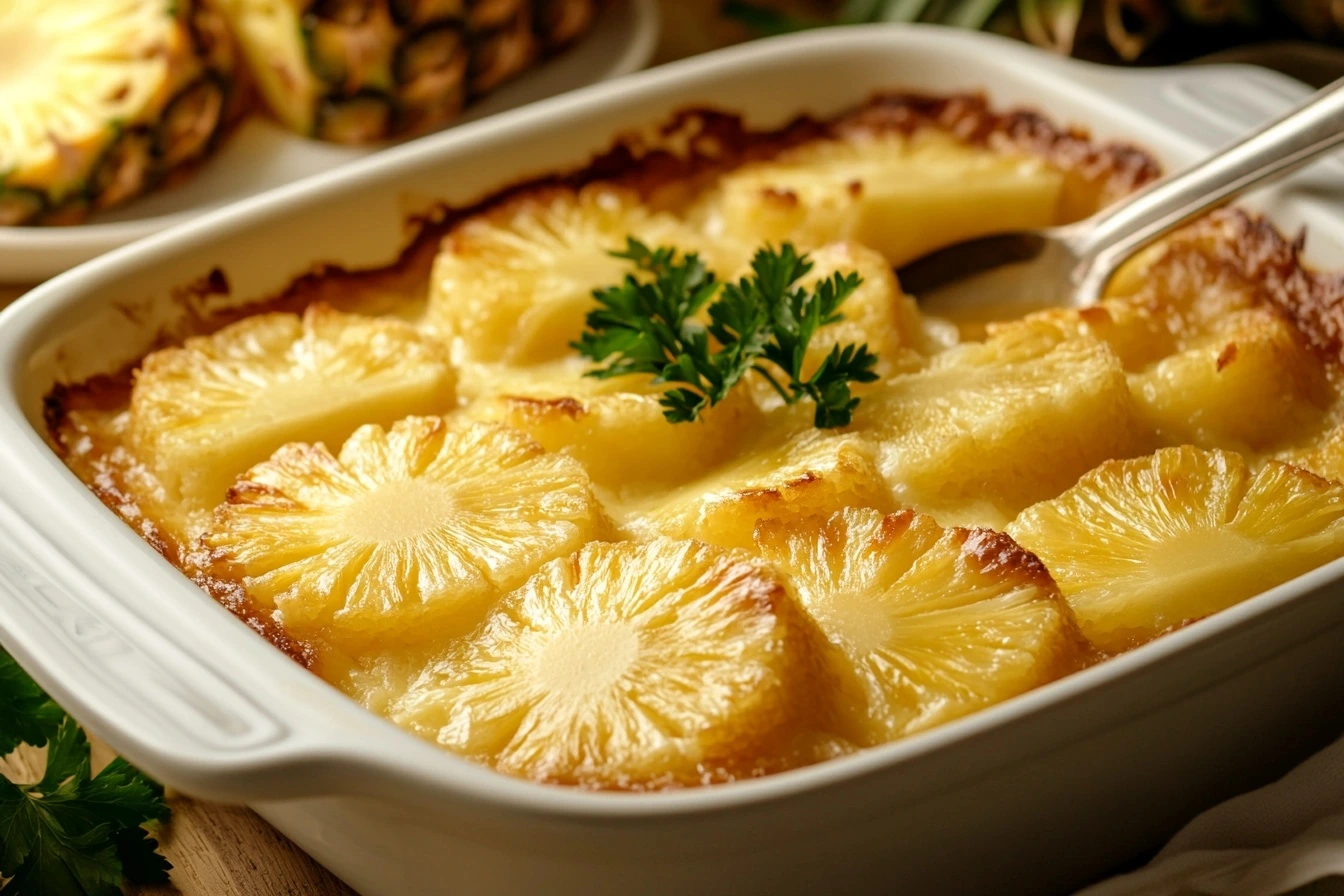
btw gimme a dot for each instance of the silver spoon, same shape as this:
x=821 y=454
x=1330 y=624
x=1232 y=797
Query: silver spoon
x=1069 y=266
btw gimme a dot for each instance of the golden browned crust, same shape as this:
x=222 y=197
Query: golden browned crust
x=1251 y=249
x=997 y=553
x=1116 y=168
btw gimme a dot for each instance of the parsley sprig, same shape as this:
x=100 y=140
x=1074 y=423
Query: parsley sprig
x=763 y=323
x=72 y=832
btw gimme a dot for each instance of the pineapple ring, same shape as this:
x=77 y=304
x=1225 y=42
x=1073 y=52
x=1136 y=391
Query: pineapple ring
x=1143 y=546
x=627 y=665
x=203 y=413
x=929 y=624
x=410 y=532
x=76 y=74
x=514 y=284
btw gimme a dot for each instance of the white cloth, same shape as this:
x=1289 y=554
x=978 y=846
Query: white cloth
x=1267 y=842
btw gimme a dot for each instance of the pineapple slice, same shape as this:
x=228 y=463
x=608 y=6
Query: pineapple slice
x=515 y=283
x=1138 y=335
x=989 y=428
x=358 y=71
x=902 y=196
x=409 y=533
x=102 y=99
x=615 y=427
x=1252 y=383
x=930 y=624
x=205 y=412
x=777 y=477
x=627 y=666
x=1141 y=546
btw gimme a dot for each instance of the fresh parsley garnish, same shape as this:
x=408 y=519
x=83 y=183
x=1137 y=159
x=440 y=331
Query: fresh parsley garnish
x=762 y=323
x=72 y=833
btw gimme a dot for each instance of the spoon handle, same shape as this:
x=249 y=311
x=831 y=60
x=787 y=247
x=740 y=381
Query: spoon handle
x=1276 y=150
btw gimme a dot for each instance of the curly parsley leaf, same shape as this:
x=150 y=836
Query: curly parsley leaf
x=763 y=323
x=72 y=833
x=27 y=714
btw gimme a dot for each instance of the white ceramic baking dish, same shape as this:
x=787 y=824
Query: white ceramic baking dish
x=1037 y=795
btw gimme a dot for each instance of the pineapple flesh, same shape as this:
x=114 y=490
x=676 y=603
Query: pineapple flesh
x=408 y=534
x=203 y=413
x=360 y=71
x=928 y=624
x=1142 y=546
x=630 y=666
x=989 y=428
x=901 y=196
x=1250 y=384
x=514 y=284
x=615 y=427
x=780 y=477
x=102 y=100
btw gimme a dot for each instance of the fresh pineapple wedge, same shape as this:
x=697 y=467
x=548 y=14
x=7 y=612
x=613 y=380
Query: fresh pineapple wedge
x=930 y=624
x=902 y=196
x=615 y=427
x=630 y=666
x=1252 y=383
x=989 y=428
x=409 y=533
x=205 y=412
x=1142 y=546
x=780 y=476
x=356 y=71
x=101 y=100
x=515 y=283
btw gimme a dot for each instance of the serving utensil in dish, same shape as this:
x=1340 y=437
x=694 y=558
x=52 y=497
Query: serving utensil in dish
x=1039 y=794
x=263 y=154
x=1071 y=264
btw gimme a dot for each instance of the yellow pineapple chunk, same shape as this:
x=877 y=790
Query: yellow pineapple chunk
x=627 y=665
x=989 y=428
x=1141 y=546
x=902 y=196
x=930 y=624
x=203 y=413
x=814 y=472
x=514 y=284
x=1138 y=335
x=409 y=532
x=1251 y=383
x=615 y=427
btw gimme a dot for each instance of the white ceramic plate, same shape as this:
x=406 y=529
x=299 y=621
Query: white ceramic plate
x=262 y=154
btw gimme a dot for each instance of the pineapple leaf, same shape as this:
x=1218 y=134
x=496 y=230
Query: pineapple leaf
x=763 y=323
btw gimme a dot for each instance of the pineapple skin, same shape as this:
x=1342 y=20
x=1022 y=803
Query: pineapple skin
x=202 y=91
x=371 y=70
x=630 y=666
